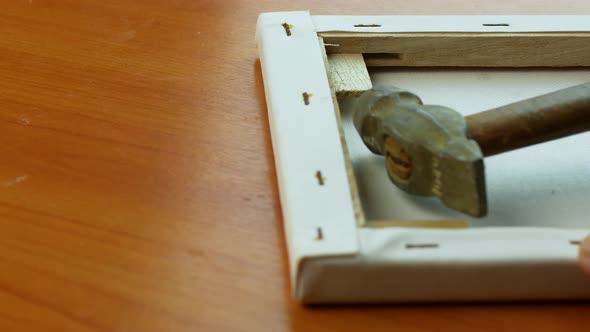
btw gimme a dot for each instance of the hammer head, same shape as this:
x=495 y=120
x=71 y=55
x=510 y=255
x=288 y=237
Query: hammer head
x=426 y=147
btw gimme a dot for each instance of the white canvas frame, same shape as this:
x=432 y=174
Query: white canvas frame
x=332 y=258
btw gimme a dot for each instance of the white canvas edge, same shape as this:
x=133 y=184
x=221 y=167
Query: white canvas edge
x=336 y=268
x=408 y=24
x=428 y=265
x=318 y=219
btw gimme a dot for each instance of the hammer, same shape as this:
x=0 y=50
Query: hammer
x=432 y=150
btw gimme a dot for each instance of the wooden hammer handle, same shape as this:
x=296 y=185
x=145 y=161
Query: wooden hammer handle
x=536 y=120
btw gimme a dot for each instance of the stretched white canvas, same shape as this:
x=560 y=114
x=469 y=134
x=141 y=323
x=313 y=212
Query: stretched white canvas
x=538 y=197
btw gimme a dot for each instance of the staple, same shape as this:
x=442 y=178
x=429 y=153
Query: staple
x=306 y=97
x=331 y=45
x=320 y=177
x=319 y=234
x=367 y=25
x=575 y=242
x=287 y=28
x=421 y=245
x=496 y=25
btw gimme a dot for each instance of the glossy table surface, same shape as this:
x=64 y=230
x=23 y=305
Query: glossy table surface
x=137 y=183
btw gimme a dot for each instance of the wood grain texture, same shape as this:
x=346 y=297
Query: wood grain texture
x=137 y=184
x=348 y=74
x=359 y=214
x=448 y=49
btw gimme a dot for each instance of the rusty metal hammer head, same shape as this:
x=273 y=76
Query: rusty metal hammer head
x=426 y=147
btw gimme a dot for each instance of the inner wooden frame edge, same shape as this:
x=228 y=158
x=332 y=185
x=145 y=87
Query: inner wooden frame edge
x=474 y=49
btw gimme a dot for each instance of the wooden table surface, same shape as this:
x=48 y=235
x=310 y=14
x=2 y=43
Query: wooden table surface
x=137 y=183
